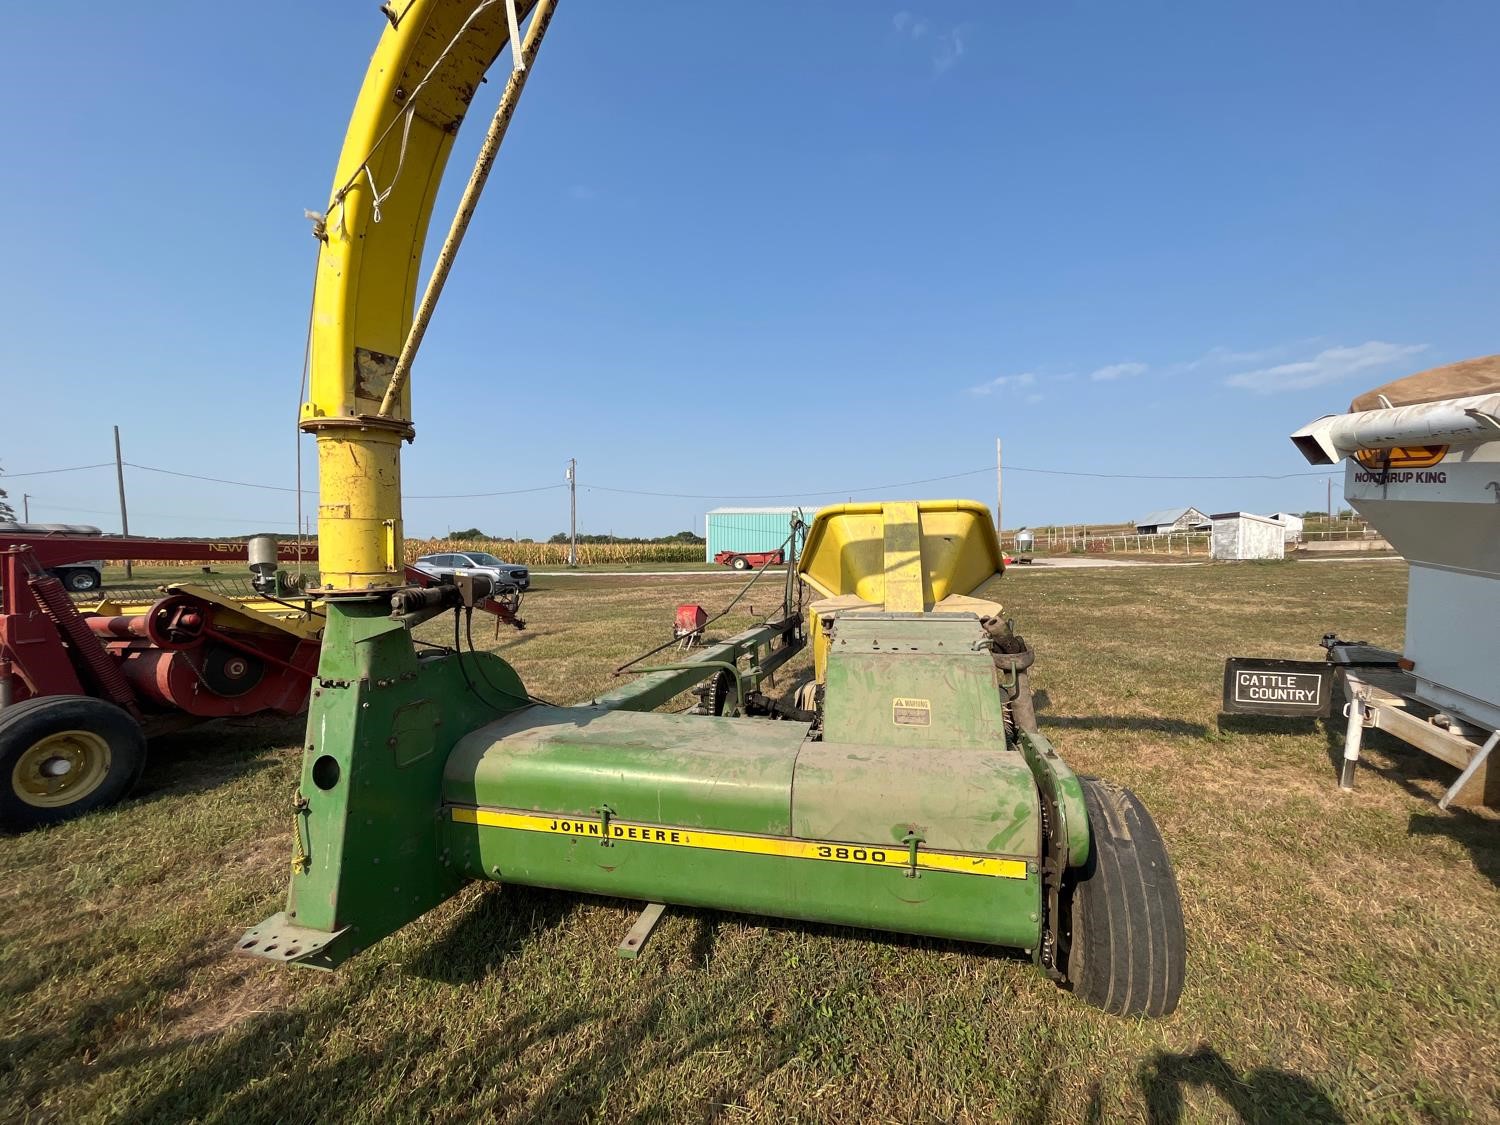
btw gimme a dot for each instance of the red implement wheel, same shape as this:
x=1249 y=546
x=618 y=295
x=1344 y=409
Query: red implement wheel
x=64 y=755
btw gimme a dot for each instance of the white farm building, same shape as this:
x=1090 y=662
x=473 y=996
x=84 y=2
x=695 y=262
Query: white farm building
x=1241 y=535
x=1292 y=525
x=1171 y=519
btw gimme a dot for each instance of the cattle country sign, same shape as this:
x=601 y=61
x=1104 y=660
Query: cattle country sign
x=1277 y=687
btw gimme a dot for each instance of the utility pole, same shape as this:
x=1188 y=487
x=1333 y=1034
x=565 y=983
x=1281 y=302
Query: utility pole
x=999 y=494
x=1330 y=499
x=572 y=511
x=25 y=507
x=120 y=479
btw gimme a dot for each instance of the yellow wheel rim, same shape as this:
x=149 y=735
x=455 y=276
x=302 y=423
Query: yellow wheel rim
x=61 y=768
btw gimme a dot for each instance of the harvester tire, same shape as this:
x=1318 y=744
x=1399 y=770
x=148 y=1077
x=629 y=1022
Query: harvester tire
x=64 y=755
x=740 y=562
x=1127 y=949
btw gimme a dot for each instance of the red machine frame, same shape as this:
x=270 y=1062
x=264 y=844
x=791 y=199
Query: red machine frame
x=47 y=647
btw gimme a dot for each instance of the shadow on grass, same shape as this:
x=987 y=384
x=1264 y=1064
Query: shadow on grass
x=1261 y=1096
x=1407 y=767
x=294 y=1066
x=214 y=753
x=1387 y=756
x=1266 y=724
x=1476 y=833
x=496 y=928
x=1153 y=724
x=33 y=1064
x=1042 y=701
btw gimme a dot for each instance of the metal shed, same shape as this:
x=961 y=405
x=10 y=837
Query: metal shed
x=1241 y=535
x=748 y=529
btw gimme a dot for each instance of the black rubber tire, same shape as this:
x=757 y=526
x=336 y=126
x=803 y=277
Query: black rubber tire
x=740 y=562
x=1127 y=946
x=80 y=580
x=22 y=724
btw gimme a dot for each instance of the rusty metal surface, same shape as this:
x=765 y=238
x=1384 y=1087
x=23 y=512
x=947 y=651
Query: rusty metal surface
x=956 y=800
x=691 y=770
x=912 y=680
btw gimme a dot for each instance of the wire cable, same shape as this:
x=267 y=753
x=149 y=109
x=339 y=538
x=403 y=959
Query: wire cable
x=51 y=472
x=468 y=614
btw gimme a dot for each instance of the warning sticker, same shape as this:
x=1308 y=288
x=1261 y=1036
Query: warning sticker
x=1402 y=457
x=911 y=712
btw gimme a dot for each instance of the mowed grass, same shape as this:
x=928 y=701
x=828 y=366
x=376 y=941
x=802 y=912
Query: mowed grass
x=1342 y=948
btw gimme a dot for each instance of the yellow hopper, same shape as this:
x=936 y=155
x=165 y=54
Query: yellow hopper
x=919 y=556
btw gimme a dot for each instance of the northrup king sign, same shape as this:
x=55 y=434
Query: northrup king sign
x=1277 y=687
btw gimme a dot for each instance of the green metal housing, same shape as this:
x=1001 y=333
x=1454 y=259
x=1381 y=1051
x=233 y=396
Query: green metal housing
x=912 y=802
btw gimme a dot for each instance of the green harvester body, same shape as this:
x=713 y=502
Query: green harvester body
x=912 y=802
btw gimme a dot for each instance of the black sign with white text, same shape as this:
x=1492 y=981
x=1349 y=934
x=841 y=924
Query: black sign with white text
x=1277 y=687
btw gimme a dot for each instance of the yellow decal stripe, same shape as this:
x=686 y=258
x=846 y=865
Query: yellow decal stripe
x=632 y=831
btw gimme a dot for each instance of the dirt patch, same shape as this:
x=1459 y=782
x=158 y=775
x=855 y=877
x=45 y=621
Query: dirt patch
x=225 y=993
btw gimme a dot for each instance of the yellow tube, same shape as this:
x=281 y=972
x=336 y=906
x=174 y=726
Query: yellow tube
x=397 y=144
x=359 y=519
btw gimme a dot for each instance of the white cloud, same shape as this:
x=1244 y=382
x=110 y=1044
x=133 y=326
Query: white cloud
x=1118 y=371
x=1222 y=354
x=1005 y=382
x=908 y=24
x=949 y=49
x=945 y=48
x=1331 y=365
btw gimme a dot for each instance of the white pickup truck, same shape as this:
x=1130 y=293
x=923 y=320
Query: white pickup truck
x=79 y=577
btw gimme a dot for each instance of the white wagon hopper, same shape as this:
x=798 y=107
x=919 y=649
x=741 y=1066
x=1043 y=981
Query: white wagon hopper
x=1424 y=468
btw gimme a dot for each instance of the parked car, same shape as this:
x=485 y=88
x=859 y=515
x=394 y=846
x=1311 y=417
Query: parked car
x=506 y=576
x=79 y=577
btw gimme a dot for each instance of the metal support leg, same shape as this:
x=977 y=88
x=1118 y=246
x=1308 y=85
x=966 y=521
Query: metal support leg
x=640 y=933
x=1475 y=764
x=1354 y=734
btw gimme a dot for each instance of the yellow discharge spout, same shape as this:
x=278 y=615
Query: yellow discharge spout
x=431 y=60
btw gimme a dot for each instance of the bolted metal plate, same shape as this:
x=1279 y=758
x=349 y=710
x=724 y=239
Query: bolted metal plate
x=279 y=938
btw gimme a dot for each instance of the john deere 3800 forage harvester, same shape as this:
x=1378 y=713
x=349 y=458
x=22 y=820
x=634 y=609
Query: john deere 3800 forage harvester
x=907 y=789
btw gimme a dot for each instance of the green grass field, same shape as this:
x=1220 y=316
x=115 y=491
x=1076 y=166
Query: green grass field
x=1342 y=948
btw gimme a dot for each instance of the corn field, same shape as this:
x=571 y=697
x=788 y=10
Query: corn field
x=556 y=554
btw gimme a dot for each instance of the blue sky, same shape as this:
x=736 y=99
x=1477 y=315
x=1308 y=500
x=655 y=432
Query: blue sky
x=789 y=250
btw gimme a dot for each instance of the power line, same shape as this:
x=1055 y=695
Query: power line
x=702 y=495
x=950 y=476
x=50 y=472
x=242 y=520
x=779 y=495
x=214 y=480
x=1158 y=476
x=484 y=495
x=283 y=488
